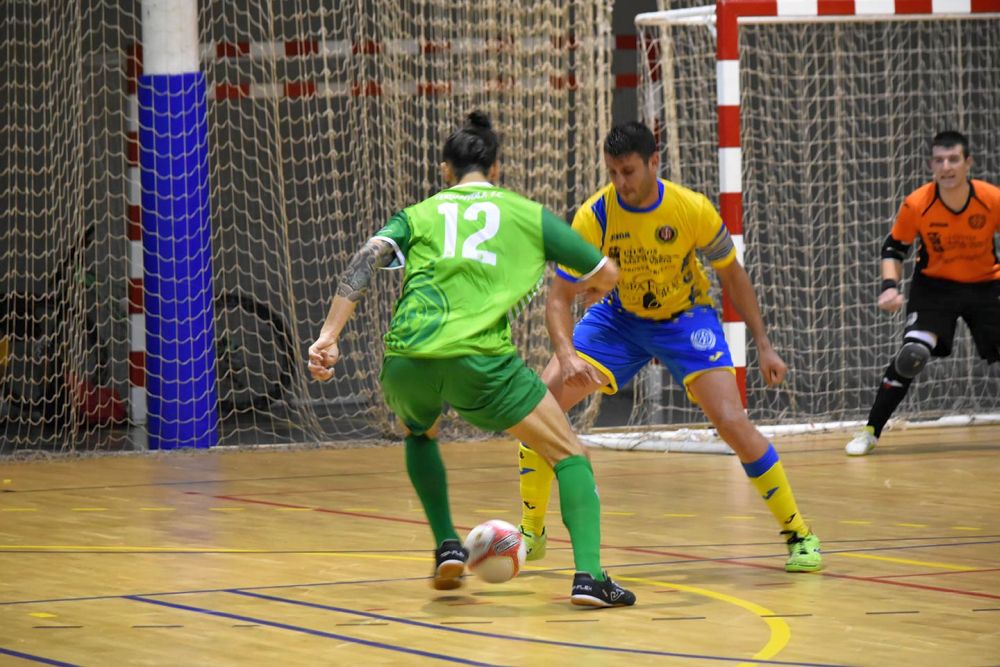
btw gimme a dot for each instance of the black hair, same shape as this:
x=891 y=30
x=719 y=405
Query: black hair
x=473 y=147
x=950 y=138
x=632 y=137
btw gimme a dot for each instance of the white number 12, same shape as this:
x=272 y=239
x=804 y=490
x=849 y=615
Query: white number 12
x=470 y=249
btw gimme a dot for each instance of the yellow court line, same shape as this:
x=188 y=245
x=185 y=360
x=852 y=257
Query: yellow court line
x=19 y=509
x=965 y=528
x=681 y=516
x=89 y=509
x=228 y=509
x=911 y=525
x=781 y=634
x=158 y=509
x=739 y=516
x=854 y=522
x=617 y=513
x=907 y=561
x=124 y=549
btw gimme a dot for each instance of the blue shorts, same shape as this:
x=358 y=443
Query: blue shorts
x=619 y=343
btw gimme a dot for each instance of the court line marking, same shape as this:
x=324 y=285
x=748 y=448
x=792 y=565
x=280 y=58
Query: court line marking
x=493 y=635
x=322 y=510
x=35 y=658
x=734 y=561
x=826 y=572
x=907 y=561
x=229 y=480
x=309 y=631
x=935 y=574
x=71 y=548
x=781 y=634
x=92 y=598
x=740 y=561
x=986 y=447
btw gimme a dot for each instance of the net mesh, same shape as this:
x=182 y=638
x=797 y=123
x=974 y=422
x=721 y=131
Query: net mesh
x=324 y=119
x=836 y=120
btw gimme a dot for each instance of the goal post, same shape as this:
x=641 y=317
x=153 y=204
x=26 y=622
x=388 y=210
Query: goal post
x=807 y=123
x=321 y=120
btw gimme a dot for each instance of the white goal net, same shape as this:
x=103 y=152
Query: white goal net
x=324 y=118
x=836 y=117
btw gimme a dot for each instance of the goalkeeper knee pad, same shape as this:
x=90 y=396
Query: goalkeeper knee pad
x=912 y=358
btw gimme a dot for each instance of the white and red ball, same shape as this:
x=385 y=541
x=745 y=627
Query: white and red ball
x=496 y=551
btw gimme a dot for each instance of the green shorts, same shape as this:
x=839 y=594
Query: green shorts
x=492 y=393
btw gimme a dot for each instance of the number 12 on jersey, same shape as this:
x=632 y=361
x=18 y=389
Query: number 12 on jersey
x=470 y=249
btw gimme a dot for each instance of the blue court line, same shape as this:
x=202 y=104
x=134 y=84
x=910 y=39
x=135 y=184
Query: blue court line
x=349 y=582
x=310 y=631
x=35 y=658
x=546 y=642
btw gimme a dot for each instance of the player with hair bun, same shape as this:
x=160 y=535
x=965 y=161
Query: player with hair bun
x=473 y=254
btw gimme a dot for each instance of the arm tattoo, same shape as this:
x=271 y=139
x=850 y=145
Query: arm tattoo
x=357 y=276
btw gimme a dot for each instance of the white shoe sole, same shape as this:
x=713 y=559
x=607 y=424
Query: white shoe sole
x=448 y=575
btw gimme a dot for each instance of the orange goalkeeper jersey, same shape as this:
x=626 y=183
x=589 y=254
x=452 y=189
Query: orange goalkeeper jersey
x=956 y=246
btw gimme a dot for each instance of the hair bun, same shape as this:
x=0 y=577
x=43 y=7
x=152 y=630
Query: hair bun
x=478 y=120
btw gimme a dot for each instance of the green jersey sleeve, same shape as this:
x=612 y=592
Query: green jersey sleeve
x=566 y=247
x=396 y=232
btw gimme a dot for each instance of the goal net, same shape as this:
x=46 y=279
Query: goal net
x=835 y=119
x=323 y=120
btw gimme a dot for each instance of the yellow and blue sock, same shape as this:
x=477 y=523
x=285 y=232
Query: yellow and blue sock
x=536 y=487
x=768 y=477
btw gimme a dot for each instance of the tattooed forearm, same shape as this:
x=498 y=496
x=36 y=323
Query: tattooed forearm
x=357 y=276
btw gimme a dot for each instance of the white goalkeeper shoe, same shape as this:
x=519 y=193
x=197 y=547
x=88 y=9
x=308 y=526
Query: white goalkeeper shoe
x=862 y=443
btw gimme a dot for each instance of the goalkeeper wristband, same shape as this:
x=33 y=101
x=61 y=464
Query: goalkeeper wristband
x=889 y=283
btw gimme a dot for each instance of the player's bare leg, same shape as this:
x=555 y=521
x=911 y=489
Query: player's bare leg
x=718 y=395
x=547 y=431
x=535 y=474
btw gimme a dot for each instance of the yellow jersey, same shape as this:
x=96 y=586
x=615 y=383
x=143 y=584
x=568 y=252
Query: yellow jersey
x=660 y=276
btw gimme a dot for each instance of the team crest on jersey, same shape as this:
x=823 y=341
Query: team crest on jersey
x=703 y=339
x=666 y=234
x=977 y=221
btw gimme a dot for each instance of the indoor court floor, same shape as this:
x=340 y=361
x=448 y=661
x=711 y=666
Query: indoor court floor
x=322 y=556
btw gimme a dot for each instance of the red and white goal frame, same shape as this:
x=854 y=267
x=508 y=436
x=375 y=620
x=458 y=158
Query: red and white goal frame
x=727 y=16
x=724 y=21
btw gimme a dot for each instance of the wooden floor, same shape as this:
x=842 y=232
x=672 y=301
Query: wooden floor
x=321 y=557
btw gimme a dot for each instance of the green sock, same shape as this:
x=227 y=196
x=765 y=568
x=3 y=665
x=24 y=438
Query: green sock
x=427 y=474
x=581 y=513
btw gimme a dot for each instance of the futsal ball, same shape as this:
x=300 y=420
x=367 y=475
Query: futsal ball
x=496 y=551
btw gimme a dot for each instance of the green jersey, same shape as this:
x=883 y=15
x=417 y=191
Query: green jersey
x=473 y=254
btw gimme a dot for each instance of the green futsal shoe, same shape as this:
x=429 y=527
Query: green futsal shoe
x=533 y=545
x=803 y=553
